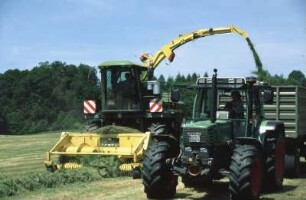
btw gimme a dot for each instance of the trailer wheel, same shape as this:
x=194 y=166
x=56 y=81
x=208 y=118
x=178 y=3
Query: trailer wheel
x=51 y=168
x=275 y=168
x=292 y=163
x=245 y=173
x=158 y=180
x=136 y=173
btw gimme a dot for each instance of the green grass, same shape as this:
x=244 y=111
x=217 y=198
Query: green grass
x=110 y=188
x=22 y=168
x=22 y=157
x=127 y=188
x=24 y=154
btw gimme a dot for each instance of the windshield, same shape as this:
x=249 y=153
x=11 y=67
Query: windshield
x=121 y=89
x=230 y=104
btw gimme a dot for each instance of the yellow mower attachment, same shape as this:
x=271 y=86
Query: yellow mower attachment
x=129 y=167
x=125 y=146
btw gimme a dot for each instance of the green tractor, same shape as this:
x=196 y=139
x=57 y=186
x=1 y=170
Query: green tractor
x=225 y=138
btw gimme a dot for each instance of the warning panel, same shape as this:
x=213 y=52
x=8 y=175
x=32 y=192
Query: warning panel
x=89 y=107
x=156 y=105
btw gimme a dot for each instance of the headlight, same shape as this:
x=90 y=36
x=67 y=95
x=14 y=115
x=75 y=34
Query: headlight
x=188 y=149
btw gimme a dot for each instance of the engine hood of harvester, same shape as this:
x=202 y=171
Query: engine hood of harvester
x=206 y=133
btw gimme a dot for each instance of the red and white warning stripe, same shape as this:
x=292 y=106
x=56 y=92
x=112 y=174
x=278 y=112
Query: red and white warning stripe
x=156 y=105
x=89 y=107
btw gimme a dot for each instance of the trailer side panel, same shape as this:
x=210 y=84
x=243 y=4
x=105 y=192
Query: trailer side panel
x=289 y=106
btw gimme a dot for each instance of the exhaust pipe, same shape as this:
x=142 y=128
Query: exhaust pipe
x=194 y=170
x=213 y=109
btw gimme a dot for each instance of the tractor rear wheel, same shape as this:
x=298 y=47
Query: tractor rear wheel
x=245 y=173
x=158 y=179
x=275 y=167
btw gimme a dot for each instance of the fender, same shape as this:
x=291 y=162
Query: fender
x=159 y=132
x=174 y=143
x=270 y=133
x=271 y=129
x=164 y=136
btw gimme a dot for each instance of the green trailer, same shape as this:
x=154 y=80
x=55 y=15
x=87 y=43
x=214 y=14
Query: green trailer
x=289 y=106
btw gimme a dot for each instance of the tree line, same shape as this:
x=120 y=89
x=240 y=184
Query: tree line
x=50 y=96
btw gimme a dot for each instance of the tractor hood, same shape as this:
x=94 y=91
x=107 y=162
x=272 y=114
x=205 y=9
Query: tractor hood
x=207 y=133
x=204 y=123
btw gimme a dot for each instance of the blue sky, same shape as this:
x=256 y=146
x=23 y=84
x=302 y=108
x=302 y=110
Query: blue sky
x=94 y=31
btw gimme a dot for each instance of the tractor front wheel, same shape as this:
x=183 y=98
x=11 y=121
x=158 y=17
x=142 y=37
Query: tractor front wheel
x=245 y=173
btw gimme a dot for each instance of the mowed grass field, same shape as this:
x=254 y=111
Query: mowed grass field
x=23 y=155
x=129 y=189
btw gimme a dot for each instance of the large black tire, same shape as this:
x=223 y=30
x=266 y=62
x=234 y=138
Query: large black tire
x=292 y=164
x=245 y=173
x=275 y=167
x=157 y=129
x=158 y=180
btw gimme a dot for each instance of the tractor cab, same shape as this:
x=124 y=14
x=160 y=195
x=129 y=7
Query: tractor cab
x=238 y=101
x=229 y=106
x=203 y=103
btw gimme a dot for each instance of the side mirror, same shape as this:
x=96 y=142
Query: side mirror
x=175 y=95
x=154 y=87
x=268 y=96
